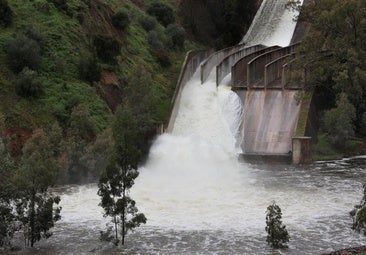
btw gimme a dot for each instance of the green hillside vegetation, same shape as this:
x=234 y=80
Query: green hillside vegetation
x=59 y=56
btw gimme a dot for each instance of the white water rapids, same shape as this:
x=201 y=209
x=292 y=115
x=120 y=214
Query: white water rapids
x=200 y=199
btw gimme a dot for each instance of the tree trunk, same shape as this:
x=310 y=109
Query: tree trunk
x=123 y=216
x=32 y=218
x=115 y=227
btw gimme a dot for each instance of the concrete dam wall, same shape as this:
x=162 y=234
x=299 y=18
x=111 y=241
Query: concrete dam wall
x=269 y=121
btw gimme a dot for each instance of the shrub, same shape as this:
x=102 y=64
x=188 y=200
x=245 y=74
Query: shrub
x=154 y=40
x=89 y=69
x=148 y=22
x=107 y=48
x=120 y=20
x=6 y=14
x=277 y=234
x=162 y=12
x=338 y=122
x=61 y=5
x=162 y=57
x=23 y=52
x=28 y=84
x=176 y=34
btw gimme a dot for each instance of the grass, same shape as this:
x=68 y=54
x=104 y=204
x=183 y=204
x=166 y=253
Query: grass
x=65 y=41
x=323 y=150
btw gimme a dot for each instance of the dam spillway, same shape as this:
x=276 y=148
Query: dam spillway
x=257 y=70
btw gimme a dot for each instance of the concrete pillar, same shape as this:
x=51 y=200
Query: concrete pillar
x=301 y=150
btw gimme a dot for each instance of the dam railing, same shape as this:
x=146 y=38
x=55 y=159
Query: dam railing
x=224 y=67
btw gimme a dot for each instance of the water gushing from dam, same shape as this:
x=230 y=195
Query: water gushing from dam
x=272 y=25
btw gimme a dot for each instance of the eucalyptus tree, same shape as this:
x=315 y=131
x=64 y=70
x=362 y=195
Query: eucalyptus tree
x=119 y=176
x=7 y=216
x=35 y=174
x=277 y=233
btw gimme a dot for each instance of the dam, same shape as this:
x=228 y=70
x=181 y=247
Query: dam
x=258 y=70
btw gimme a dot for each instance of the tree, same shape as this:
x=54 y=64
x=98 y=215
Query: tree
x=119 y=176
x=142 y=103
x=28 y=84
x=358 y=214
x=176 y=34
x=338 y=122
x=277 y=234
x=162 y=12
x=6 y=14
x=121 y=19
x=335 y=53
x=36 y=173
x=7 y=191
x=23 y=51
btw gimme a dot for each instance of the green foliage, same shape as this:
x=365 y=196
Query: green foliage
x=36 y=173
x=61 y=5
x=148 y=22
x=335 y=53
x=7 y=217
x=142 y=103
x=162 y=12
x=6 y=14
x=107 y=48
x=22 y=52
x=277 y=235
x=89 y=69
x=176 y=34
x=120 y=175
x=358 y=214
x=81 y=125
x=155 y=40
x=120 y=20
x=28 y=84
x=338 y=122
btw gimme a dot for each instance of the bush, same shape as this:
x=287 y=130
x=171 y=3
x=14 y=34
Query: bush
x=176 y=34
x=120 y=20
x=277 y=234
x=107 y=48
x=89 y=69
x=148 y=22
x=162 y=57
x=154 y=40
x=23 y=52
x=61 y=5
x=338 y=122
x=6 y=14
x=28 y=84
x=162 y=12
